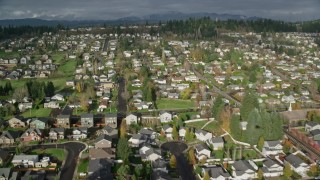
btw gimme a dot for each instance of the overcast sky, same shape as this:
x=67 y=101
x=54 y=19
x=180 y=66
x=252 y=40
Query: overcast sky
x=293 y=10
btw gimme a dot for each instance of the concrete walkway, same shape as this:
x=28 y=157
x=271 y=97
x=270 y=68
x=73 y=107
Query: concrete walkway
x=210 y=121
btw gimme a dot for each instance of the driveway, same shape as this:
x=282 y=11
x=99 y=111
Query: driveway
x=74 y=149
x=184 y=168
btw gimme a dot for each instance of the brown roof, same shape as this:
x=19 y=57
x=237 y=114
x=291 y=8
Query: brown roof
x=296 y=114
x=108 y=153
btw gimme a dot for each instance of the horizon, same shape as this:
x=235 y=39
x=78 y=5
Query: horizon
x=82 y=10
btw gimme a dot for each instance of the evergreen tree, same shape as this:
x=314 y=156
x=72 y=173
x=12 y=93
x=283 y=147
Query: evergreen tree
x=254 y=127
x=249 y=103
x=123 y=149
x=260 y=143
x=175 y=133
x=173 y=161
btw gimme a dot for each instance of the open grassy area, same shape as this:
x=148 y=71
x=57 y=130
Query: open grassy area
x=83 y=166
x=9 y=54
x=58 y=57
x=68 y=67
x=166 y=103
x=42 y=112
x=58 y=153
x=197 y=125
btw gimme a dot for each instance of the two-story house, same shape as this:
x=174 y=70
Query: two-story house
x=63 y=121
x=297 y=164
x=9 y=137
x=16 y=123
x=131 y=119
x=110 y=120
x=271 y=168
x=103 y=141
x=31 y=134
x=87 y=120
x=38 y=123
x=79 y=133
x=216 y=142
x=56 y=133
x=272 y=148
x=165 y=117
x=244 y=169
x=202 y=151
x=203 y=135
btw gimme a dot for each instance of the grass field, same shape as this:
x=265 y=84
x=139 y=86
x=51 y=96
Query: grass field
x=83 y=166
x=42 y=112
x=68 y=67
x=197 y=125
x=9 y=54
x=58 y=153
x=165 y=103
x=58 y=57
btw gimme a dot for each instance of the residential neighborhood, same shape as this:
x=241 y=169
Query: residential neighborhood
x=130 y=102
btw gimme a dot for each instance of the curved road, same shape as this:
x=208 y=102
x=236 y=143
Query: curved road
x=74 y=149
x=183 y=166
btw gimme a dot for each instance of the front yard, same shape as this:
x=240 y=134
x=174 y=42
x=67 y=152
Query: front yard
x=165 y=103
x=60 y=154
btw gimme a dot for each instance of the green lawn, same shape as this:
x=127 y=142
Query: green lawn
x=58 y=57
x=165 y=103
x=68 y=68
x=42 y=112
x=9 y=54
x=197 y=125
x=83 y=166
x=58 y=153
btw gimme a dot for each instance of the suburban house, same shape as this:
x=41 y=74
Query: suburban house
x=136 y=140
x=203 y=135
x=182 y=132
x=56 y=133
x=131 y=119
x=9 y=137
x=63 y=121
x=148 y=133
x=148 y=153
x=311 y=125
x=16 y=123
x=51 y=104
x=99 y=169
x=79 y=133
x=107 y=130
x=165 y=117
x=87 y=120
x=31 y=134
x=103 y=141
x=216 y=142
x=202 y=151
x=244 y=169
x=271 y=168
x=57 y=97
x=272 y=148
x=167 y=129
x=25 y=161
x=38 y=123
x=110 y=120
x=216 y=172
x=297 y=164
x=104 y=153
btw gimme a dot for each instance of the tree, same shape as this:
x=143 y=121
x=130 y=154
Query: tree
x=185 y=94
x=249 y=103
x=287 y=171
x=84 y=102
x=191 y=156
x=173 y=161
x=217 y=107
x=20 y=93
x=189 y=136
x=206 y=176
x=260 y=174
x=123 y=171
x=123 y=149
x=123 y=129
x=260 y=143
x=254 y=127
x=175 y=133
x=50 y=89
x=313 y=170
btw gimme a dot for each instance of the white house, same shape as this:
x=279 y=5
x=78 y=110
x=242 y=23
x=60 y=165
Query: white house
x=136 y=140
x=271 y=168
x=272 y=148
x=165 y=117
x=131 y=119
x=244 y=169
x=203 y=135
x=297 y=164
x=182 y=132
x=57 y=97
x=79 y=133
x=148 y=153
x=216 y=173
x=202 y=151
x=216 y=142
x=167 y=129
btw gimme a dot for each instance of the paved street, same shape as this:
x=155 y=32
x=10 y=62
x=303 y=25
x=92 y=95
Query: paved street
x=185 y=169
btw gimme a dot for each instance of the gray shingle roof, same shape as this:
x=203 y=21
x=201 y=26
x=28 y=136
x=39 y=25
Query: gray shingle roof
x=294 y=160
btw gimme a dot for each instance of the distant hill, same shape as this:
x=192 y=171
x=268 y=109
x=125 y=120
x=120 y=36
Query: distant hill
x=153 y=18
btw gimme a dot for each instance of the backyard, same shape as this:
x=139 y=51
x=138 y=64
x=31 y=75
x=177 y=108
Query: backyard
x=165 y=103
x=60 y=154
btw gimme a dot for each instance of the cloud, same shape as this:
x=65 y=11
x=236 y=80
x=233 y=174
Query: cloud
x=112 y=9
